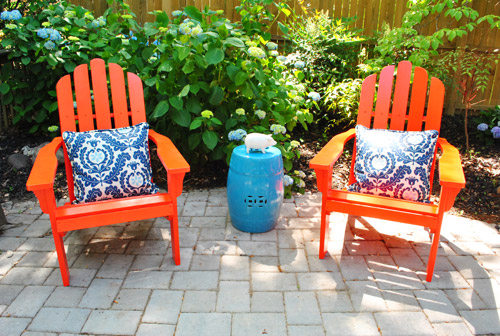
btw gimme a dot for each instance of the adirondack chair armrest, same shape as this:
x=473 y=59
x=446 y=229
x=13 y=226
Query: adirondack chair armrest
x=451 y=173
x=172 y=160
x=323 y=162
x=43 y=173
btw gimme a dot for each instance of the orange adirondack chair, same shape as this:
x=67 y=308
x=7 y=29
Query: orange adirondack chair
x=70 y=216
x=401 y=117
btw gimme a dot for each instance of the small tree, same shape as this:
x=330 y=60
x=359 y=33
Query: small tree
x=473 y=69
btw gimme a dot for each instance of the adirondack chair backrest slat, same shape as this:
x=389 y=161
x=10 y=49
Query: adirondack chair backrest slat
x=95 y=113
x=83 y=98
x=118 y=96
x=136 y=95
x=435 y=105
x=401 y=94
x=365 y=110
x=384 y=95
x=418 y=99
x=101 y=97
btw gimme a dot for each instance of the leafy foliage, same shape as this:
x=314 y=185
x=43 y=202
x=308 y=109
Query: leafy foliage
x=198 y=69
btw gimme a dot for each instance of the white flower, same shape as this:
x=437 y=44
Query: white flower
x=256 y=52
x=314 y=96
x=287 y=180
x=260 y=114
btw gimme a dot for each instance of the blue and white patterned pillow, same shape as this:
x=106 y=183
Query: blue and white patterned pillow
x=394 y=163
x=110 y=163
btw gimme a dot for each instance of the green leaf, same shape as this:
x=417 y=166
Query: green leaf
x=161 y=109
x=241 y=77
x=214 y=56
x=247 y=91
x=185 y=91
x=181 y=117
x=176 y=102
x=165 y=66
x=125 y=54
x=69 y=66
x=210 y=139
x=195 y=124
x=193 y=105
x=4 y=88
x=188 y=67
x=194 y=140
x=26 y=60
x=147 y=53
x=193 y=13
x=183 y=52
x=299 y=74
x=200 y=61
x=232 y=71
x=216 y=95
x=230 y=123
x=51 y=59
x=235 y=42
x=150 y=81
x=283 y=28
x=435 y=44
x=216 y=121
x=223 y=32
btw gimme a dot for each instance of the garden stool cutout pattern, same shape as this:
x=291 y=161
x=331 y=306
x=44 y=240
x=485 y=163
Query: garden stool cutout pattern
x=404 y=103
x=128 y=109
x=255 y=188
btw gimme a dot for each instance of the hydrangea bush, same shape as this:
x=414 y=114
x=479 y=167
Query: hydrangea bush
x=47 y=43
x=204 y=76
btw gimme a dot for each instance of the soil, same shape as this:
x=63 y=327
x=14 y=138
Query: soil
x=479 y=200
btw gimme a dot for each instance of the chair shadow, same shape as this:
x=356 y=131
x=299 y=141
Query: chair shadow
x=394 y=279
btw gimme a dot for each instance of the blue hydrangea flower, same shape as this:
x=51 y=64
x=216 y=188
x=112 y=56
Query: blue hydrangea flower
x=54 y=35
x=482 y=127
x=314 y=96
x=49 y=45
x=43 y=33
x=184 y=29
x=496 y=132
x=101 y=22
x=256 y=52
x=299 y=65
x=277 y=129
x=281 y=58
x=260 y=114
x=196 y=31
x=271 y=46
x=237 y=135
x=11 y=15
x=176 y=13
x=287 y=180
x=301 y=184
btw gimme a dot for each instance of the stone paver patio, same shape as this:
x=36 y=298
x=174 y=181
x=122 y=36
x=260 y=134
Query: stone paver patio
x=123 y=281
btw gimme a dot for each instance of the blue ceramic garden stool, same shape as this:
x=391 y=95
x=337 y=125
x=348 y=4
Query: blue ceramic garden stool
x=255 y=189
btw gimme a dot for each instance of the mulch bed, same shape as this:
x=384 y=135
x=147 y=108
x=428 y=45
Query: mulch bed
x=479 y=200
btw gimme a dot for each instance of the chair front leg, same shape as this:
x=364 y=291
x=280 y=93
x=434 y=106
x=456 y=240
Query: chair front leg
x=325 y=231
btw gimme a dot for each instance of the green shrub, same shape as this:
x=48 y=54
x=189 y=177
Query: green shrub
x=198 y=69
x=328 y=48
x=331 y=55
